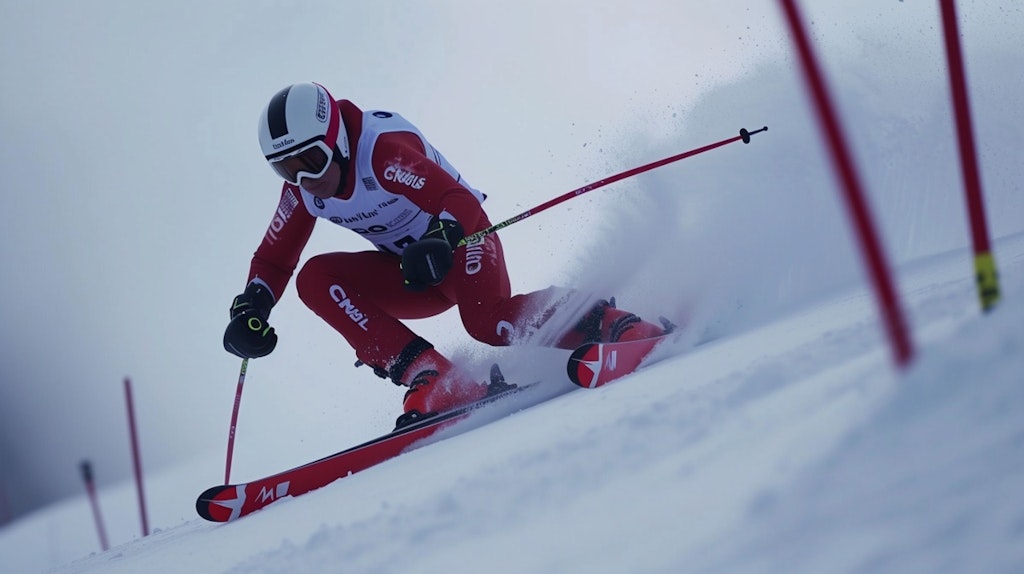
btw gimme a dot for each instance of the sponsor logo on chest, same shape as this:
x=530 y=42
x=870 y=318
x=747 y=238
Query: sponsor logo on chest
x=368 y=213
x=403 y=176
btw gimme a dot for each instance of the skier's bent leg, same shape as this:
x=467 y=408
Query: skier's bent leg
x=328 y=285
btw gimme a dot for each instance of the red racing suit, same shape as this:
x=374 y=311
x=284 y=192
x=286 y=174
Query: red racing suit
x=396 y=182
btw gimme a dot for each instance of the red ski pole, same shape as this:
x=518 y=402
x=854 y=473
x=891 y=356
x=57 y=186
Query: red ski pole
x=5 y=506
x=90 y=489
x=744 y=136
x=234 y=421
x=136 y=459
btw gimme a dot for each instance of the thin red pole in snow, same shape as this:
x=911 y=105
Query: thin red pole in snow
x=90 y=489
x=744 y=136
x=234 y=421
x=5 y=506
x=986 y=276
x=857 y=206
x=135 y=454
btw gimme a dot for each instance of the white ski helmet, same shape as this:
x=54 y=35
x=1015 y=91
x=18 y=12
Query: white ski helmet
x=300 y=131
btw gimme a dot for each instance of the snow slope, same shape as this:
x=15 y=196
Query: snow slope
x=793 y=447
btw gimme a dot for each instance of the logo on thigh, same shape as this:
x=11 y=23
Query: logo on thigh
x=345 y=304
x=475 y=252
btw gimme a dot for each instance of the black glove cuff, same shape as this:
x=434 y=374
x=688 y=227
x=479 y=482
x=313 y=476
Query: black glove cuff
x=255 y=297
x=448 y=230
x=425 y=263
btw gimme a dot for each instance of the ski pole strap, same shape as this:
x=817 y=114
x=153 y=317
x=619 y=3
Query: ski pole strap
x=473 y=237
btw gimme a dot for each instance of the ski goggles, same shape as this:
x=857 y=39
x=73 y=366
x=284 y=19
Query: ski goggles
x=309 y=161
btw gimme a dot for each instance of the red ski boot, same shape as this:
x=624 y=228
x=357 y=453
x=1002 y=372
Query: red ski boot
x=604 y=323
x=435 y=386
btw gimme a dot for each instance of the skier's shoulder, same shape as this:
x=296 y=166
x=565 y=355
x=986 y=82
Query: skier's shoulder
x=394 y=142
x=378 y=124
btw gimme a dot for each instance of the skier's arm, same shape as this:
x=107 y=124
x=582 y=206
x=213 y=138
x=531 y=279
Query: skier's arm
x=278 y=254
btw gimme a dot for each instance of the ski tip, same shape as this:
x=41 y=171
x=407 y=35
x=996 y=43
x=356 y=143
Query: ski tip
x=214 y=504
x=582 y=363
x=595 y=364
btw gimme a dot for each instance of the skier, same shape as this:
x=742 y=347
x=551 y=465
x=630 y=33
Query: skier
x=374 y=173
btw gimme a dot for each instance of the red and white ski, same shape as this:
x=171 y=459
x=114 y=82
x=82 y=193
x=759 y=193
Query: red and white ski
x=227 y=502
x=590 y=365
x=595 y=364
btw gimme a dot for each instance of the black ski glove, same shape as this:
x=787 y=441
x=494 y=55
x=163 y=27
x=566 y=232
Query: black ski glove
x=248 y=334
x=426 y=262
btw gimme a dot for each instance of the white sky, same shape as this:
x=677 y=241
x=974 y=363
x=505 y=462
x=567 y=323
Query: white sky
x=135 y=191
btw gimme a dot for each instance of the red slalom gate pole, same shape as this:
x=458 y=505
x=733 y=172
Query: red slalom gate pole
x=744 y=136
x=136 y=459
x=853 y=194
x=986 y=276
x=234 y=421
x=5 y=506
x=90 y=489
